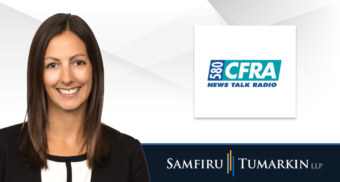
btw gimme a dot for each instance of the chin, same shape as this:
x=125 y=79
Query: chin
x=70 y=107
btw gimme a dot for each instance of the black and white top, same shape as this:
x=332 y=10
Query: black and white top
x=126 y=163
x=66 y=169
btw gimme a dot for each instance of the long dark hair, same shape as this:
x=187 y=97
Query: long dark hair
x=34 y=142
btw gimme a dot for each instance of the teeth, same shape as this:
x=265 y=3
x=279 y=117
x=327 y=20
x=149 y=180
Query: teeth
x=67 y=92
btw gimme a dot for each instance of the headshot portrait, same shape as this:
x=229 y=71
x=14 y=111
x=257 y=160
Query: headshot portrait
x=63 y=137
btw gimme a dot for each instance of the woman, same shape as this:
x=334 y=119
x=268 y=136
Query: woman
x=63 y=139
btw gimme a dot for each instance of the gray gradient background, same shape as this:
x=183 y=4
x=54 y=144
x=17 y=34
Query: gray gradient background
x=149 y=77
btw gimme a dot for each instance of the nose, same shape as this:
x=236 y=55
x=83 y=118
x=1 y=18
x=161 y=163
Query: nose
x=67 y=76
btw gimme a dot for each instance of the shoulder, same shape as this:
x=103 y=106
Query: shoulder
x=10 y=134
x=10 y=139
x=127 y=157
x=122 y=141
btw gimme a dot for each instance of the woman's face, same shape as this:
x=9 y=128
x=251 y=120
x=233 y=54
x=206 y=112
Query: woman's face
x=67 y=72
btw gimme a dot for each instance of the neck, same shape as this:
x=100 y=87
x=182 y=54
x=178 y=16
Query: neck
x=65 y=127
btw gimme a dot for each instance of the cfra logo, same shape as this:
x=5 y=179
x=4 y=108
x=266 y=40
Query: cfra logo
x=244 y=70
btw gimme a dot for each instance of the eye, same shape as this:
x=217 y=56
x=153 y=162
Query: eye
x=52 y=65
x=79 y=62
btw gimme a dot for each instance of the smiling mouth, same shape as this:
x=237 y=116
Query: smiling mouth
x=68 y=91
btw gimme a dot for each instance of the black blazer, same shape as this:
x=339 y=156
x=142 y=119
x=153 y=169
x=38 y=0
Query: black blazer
x=125 y=163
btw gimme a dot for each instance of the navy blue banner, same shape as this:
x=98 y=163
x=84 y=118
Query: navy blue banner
x=242 y=162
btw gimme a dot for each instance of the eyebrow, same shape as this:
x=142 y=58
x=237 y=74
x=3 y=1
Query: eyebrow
x=69 y=59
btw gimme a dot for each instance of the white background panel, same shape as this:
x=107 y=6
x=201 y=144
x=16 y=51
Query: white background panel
x=148 y=57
